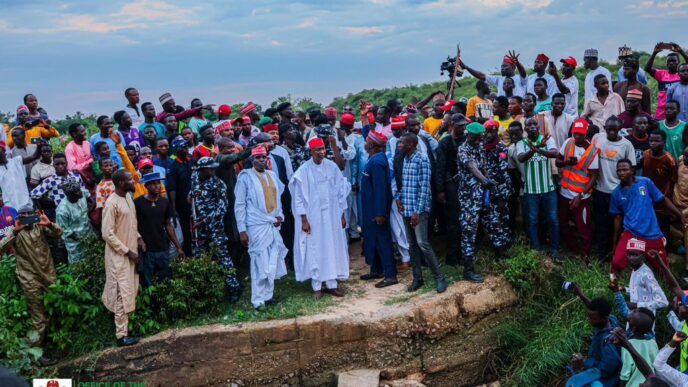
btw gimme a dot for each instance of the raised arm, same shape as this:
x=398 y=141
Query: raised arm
x=427 y=99
x=649 y=66
x=473 y=72
x=619 y=335
x=668 y=275
x=560 y=85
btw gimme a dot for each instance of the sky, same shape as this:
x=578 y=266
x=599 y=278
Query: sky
x=80 y=55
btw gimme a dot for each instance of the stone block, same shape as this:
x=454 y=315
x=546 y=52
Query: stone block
x=359 y=378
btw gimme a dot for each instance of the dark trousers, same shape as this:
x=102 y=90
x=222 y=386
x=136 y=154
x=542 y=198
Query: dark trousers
x=287 y=233
x=582 y=219
x=384 y=263
x=420 y=248
x=604 y=223
x=152 y=263
x=185 y=224
x=453 y=227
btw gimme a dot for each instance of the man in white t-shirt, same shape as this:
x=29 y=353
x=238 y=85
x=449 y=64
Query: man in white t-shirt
x=568 y=69
x=13 y=177
x=539 y=66
x=613 y=147
x=590 y=63
x=578 y=170
x=509 y=65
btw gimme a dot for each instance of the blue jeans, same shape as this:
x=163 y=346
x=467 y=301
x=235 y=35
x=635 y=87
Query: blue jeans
x=548 y=202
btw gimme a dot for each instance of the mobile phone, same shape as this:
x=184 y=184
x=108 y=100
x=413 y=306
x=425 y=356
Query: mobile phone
x=29 y=220
x=36 y=140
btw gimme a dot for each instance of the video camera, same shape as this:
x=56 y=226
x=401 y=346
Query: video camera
x=448 y=66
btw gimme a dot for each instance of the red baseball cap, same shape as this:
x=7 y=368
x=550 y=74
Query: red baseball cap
x=571 y=61
x=347 y=119
x=580 y=126
x=224 y=109
x=491 y=124
x=146 y=163
x=448 y=105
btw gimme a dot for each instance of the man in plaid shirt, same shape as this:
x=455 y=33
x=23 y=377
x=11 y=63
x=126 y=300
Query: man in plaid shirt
x=414 y=201
x=51 y=187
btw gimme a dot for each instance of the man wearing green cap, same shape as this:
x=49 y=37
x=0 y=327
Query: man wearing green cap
x=470 y=161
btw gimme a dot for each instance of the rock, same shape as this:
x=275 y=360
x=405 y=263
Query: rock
x=359 y=378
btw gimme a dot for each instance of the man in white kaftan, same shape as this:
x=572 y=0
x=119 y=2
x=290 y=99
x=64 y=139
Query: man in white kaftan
x=319 y=192
x=258 y=212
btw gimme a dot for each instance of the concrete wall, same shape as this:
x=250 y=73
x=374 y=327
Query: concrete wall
x=446 y=336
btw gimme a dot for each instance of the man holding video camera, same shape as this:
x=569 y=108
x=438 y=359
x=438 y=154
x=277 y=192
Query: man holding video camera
x=35 y=268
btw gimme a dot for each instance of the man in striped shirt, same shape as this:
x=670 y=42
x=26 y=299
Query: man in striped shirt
x=539 y=189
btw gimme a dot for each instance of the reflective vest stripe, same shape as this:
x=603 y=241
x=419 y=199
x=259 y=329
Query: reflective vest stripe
x=576 y=177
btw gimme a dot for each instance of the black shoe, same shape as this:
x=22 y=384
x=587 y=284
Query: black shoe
x=234 y=297
x=354 y=240
x=386 y=282
x=415 y=285
x=371 y=276
x=46 y=361
x=271 y=301
x=472 y=276
x=127 y=340
x=441 y=285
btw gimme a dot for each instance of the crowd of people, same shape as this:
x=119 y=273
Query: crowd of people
x=286 y=190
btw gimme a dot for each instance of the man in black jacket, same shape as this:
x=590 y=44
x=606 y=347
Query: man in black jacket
x=446 y=184
x=228 y=159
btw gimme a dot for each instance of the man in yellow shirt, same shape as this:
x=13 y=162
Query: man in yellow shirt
x=40 y=129
x=433 y=123
x=479 y=108
x=500 y=107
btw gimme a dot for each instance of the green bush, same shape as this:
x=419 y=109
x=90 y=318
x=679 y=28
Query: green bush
x=15 y=322
x=71 y=307
x=524 y=270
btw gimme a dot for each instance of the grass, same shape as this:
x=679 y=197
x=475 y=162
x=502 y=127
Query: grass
x=550 y=325
x=295 y=299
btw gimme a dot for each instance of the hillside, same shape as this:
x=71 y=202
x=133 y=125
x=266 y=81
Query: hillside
x=411 y=93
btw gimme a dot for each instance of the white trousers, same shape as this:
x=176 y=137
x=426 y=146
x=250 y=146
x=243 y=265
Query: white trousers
x=317 y=284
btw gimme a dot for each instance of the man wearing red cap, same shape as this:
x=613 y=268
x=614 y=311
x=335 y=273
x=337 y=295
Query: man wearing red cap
x=396 y=160
x=259 y=216
x=351 y=172
x=376 y=201
x=223 y=113
x=568 y=69
x=578 y=170
x=539 y=66
x=509 y=65
x=319 y=193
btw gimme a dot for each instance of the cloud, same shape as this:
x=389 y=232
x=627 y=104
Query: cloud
x=260 y=11
x=276 y=43
x=86 y=23
x=463 y=4
x=308 y=23
x=248 y=36
x=371 y=30
x=152 y=10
